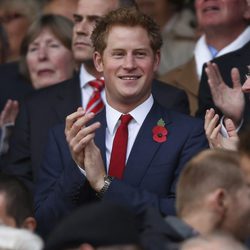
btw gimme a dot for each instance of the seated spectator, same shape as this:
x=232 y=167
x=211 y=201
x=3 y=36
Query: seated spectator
x=46 y=56
x=224 y=30
x=60 y=7
x=16 y=16
x=75 y=167
x=207 y=200
x=46 y=59
x=216 y=241
x=177 y=25
x=21 y=239
x=103 y=226
x=16 y=204
x=56 y=102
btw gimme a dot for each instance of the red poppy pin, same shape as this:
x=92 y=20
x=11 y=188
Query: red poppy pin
x=160 y=132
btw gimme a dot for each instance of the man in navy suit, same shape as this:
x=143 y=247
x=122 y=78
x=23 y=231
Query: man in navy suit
x=50 y=106
x=74 y=171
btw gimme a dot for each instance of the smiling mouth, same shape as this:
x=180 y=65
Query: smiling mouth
x=211 y=8
x=129 y=77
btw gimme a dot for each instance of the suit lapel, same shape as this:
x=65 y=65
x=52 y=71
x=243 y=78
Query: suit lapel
x=145 y=147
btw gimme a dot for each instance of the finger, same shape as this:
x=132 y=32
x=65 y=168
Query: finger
x=70 y=119
x=79 y=124
x=213 y=79
x=80 y=146
x=217 y=73
x=215 y=137
x=235 y=76
x=211 y=126
x=14 y=111
x=5 y=112
x=208 y=117
x=230 y=127
x=85 y=131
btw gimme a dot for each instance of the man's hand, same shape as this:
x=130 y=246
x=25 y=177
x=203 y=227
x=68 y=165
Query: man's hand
x=215 y=139
x=94 y=167
x=78 y=135
x=9 y=113
x=230 y=101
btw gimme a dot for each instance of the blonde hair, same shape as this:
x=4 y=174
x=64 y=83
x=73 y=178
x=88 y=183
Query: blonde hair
x=209 y=170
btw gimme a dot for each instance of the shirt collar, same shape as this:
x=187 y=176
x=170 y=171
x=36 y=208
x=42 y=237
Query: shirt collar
x=139 y=114
x=85 y=77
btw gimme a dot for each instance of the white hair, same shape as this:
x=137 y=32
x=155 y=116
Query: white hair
x=19 y=239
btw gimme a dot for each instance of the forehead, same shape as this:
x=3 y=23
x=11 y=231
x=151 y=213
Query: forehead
x=46 y=33
x=127 y=36
x=96 y=7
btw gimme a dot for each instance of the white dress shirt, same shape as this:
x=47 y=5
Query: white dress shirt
x=202 y=53
x=112 y=116
x=86 y=89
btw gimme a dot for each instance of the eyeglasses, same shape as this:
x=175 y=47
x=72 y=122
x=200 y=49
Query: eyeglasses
x=10 y=17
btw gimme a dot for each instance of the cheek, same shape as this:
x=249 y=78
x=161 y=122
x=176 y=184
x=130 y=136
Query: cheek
x=31 y=61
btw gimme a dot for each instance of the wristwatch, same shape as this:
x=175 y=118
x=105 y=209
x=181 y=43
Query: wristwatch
x=107 y=181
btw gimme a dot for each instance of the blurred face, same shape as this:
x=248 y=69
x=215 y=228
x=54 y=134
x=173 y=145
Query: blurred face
x=221 y=13
x=237 y=219
x=246 y=85
x=154 y=8
x=4 y=217
x=85 y=18
x=61 y=7
x=15 y=25
x=128 y=64
x=48 y=60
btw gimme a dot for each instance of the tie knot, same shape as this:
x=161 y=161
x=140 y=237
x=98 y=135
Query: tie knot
x=97 y=84
x=125 y=119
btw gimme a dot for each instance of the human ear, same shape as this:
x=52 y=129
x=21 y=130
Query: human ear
x=30 y=223
x=97 y=58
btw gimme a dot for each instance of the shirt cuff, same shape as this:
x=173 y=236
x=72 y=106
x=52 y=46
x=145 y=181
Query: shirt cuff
x=82 y=170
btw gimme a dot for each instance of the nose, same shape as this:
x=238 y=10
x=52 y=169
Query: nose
x=129 y=62
x=42 y=53
x=82 y=27
x=246 y=85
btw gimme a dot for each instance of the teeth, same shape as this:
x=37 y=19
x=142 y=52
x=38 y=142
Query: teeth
x=211 y=8
x=129 y=77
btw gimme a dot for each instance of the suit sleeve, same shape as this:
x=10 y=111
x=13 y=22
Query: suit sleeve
x=138 y=198
x=18 y=160
x=58 y=184
x=205 y=100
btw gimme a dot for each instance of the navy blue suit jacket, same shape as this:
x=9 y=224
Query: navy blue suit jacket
x=50 y=106
x=150 y=174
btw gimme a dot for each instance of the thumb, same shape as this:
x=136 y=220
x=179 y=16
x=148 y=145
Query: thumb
x=230 y=127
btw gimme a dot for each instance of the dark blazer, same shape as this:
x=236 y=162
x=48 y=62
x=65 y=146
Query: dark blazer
x=239 y=59
x=158 y=232
x=12 y=84
x=150 y=174
x=50 y=106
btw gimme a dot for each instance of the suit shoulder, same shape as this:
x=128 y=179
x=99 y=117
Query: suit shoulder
x=45 y=93
x=184 y=119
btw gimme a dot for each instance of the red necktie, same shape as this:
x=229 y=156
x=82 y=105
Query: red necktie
x=95 y=103
x=119 y=149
